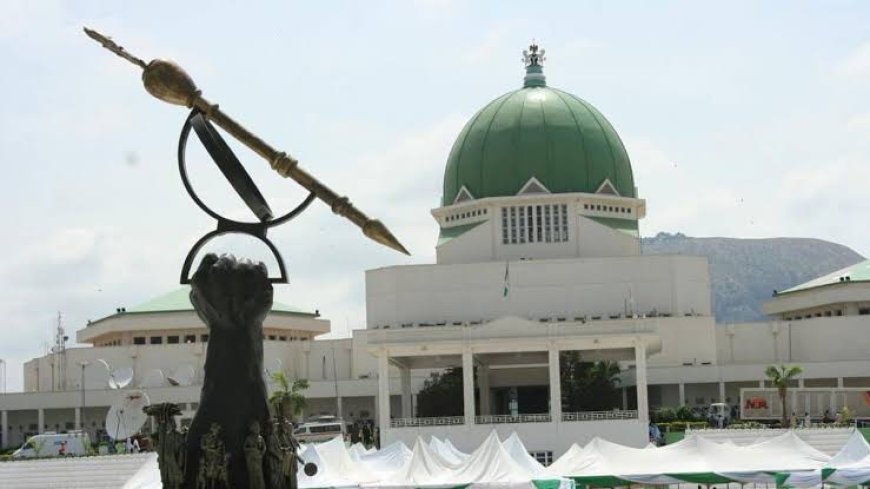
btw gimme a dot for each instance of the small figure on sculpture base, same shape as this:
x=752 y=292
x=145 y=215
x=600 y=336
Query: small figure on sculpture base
x=213 y=467
x=170 y=444
x=254 y=448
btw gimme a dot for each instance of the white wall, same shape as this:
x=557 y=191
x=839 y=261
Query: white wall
x=567 y=288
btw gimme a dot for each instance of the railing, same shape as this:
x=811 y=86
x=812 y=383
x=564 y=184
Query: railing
x=417 y=422
x=600 y=415
x=507 y=418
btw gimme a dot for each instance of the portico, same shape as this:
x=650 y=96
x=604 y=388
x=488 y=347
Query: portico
x=507 y=353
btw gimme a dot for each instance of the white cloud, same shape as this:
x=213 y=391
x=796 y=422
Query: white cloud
x=857 y=63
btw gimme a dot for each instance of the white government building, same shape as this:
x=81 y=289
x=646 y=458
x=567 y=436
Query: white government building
x=539 y=252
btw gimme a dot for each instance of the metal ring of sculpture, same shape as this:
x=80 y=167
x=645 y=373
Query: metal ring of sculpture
x=244 y=186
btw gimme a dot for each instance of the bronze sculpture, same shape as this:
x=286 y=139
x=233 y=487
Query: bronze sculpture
x=224 y=446
x=254 y=448
x=170 y=444
x=213 y=473
x=169 y=82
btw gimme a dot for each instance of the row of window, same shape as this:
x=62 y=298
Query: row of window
x=827 y=314
x=465 y=215
x=607 y=208
x=534 y=224
x=203 y=338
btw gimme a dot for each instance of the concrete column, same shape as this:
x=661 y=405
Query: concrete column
x=800 y=383
x=761 y=384
x=78 y=416
x=640 y=373
x=839 y=382
x=383 y=391
x=682 y=394
x=468 y=386
x=406 y=392
x=483 y=387
x=40 y=416
x=555 y=385
x=4 y=419
x=721 y=391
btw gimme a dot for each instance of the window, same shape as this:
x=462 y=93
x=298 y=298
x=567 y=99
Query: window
x=545 y=457
x=504 y=225
x=190 y=338
x=534 y=224
x=522 y=226
x=513 y=211
x=272 y=337
x=864 y=311
x=138 y=340
x=156 y=340
x=282 y=338
x=203 y=338
x=172 y=340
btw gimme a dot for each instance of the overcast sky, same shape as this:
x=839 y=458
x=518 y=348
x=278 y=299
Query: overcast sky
x=742 y=119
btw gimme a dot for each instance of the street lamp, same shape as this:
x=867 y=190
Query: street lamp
x=83 y=363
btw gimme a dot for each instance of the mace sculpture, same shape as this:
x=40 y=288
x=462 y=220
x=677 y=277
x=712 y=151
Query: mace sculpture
x=235 y=440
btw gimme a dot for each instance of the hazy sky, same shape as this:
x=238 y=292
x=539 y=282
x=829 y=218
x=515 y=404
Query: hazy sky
x=742 y=119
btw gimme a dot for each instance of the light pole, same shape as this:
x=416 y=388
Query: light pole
x=84 y=364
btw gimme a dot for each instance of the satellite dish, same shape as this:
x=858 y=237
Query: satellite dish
x=183 y=376
x=96 y=375
x=121 y=378
x=125 y=416
x=153 y=378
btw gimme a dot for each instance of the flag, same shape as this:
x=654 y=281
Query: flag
x=507 y=278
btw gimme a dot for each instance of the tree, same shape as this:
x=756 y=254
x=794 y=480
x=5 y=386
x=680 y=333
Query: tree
x=441 y=394
x=588 y=386
x=780 y=377
x=288 y=400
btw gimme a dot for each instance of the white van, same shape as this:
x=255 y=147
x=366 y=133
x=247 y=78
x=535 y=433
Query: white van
x=323 y=428
x=51 y=444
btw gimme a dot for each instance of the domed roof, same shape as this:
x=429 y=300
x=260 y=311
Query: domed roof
x=541 y=132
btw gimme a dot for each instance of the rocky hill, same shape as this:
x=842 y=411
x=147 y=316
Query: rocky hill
x=745 y=272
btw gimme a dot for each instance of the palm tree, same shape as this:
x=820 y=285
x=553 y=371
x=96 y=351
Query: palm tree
x=288 y=400
x=780 y=377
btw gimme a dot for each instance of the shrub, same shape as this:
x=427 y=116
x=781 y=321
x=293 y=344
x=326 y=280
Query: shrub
x=664 y=415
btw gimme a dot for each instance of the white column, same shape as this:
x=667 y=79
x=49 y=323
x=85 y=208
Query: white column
x=483 y=387
x=468 y=386
x=721 y=391
x=839 y=382
x=761 y=384
x=383 y=391
x=800 y=383
x=682 y=394
x=78 y=418
x=640 y=374
x=406 y=392
x=40 y=416
x=555 y=385
x=4 y=419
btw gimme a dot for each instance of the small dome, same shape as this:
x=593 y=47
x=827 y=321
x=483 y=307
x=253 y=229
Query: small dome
x=541 y=132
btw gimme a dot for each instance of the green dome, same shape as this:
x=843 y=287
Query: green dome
x=541 y=132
